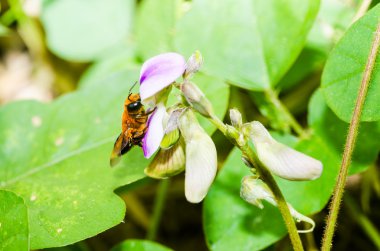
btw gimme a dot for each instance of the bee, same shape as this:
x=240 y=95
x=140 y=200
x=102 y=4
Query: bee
x=133 y=127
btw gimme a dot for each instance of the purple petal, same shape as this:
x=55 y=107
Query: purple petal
x=153 y=136
x=159 y=72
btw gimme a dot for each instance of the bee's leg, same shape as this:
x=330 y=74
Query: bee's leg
x=138 y=135
x=151 y=111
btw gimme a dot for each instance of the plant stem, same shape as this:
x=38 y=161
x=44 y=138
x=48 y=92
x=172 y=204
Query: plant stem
x=157 y=210
x=286 y=115
x=266 y=176
x=350 y=144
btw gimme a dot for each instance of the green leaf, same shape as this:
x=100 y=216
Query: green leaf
x=140 y=245
x=14 y=233
x=334 y=18
x=231 y=222
x=56 y=156
x=250 y=43
x=155 y=23
x=334 y=132
x=345 y=69
x=82 y=30
x=119 y=67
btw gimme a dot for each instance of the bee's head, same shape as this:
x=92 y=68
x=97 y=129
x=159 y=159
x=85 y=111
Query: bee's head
x=133 y=102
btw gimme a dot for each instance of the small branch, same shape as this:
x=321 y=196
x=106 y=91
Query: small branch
x=270 y=181
x=350 y=144
x=157 y=210
x=286 y=115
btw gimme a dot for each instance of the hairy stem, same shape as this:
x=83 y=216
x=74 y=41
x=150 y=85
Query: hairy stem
x=157 y=210
x=266 y=176
x=350 y=145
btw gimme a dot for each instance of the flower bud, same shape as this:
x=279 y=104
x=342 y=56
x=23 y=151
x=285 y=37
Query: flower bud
x=195 y=97
x=280 y=159
x=167 y=162
x=193 y=64
x=254 y=190
x=236 y=119
x=201 y=159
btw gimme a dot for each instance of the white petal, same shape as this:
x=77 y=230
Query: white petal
x=155 y=132
x=201 y=167
x=282 y=160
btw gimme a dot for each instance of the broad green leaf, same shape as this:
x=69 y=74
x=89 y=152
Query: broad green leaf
x=155 y=26
x=230 y=222
x=345 y=69
x=139 y=245
x=334 y=132
x=81 y=30
x=119 y=67
x=14 y=232
x=333 y=18
x=56 y=156
x=250 y=43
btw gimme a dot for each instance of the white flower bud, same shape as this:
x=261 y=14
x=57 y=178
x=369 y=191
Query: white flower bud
x=201 y=158
x=280 y=159
x=236 y=119
x=193 y=64
x=195 y=97
x=254 y=190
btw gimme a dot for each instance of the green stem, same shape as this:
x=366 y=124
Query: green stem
x=157 y=210
x=266 y=176
x=363 y=221
x=350 y=145
x=286 y=115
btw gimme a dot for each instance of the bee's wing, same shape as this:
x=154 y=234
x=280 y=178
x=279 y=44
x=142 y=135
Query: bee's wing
x=120 y=147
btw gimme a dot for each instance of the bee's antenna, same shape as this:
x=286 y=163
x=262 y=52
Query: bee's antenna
x=130 y=90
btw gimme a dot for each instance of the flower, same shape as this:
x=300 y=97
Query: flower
x=280 y=159
x=254 y=190
x=156 y=74
x=201 y=158
x=179 y=133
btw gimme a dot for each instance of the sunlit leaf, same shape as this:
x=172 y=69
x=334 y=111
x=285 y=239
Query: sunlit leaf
x=345 y=69
x=82 y=30
x=56 y=156
x=155 y=26
x=14 y=232
x=250 y=43
x=140 y=245
x=334 y=132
